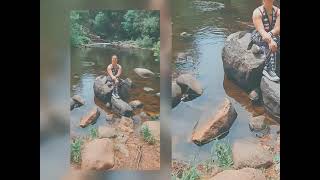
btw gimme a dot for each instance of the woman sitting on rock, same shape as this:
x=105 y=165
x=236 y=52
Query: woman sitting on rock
x=266 y=36
x=114 y=71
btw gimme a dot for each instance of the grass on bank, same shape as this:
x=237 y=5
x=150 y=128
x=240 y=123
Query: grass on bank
x=146 y=134
x=76 y=146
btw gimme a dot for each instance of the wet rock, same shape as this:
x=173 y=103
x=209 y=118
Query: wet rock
x=249 y=154
x=122 y=148
x=90 y=118
x=176 y=94
x=148 y=89
x=240 y=64
x=102 y=88
x=135 y=104
x=218 y=123
x=121 y=107
x=125 y=88
x=144 y=73
x=257 y=123
x=271 y=97
x=107 y=132
x=79 y=100
x=72 y=104
x=136 y=119
x=242 y=174
x=98 y=154
x=154 y=127
x=125 y=124
x=189 y=85
x=185 y=34
x=254 y=95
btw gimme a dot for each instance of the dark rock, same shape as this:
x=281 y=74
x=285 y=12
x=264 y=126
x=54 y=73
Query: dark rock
x=176 y=94
x=240 y=64
x=271 y=97
x=121 y=107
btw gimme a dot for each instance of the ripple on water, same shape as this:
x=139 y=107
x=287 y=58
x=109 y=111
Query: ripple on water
x=205 y=6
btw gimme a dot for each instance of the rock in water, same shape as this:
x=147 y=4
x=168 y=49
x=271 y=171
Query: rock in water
x=249 y=154
x=135 y=104
x=257 y=123
x=121 y=107
x=176 y=94
x=124 y=89
x=144 y=73
x=218 y=123
x=154 y=127
x=78 y=99
x=98 y=154
x=102 y=89
x=90 y=118
x=240 y=64
x=148 y=89
x=158 y=94
x=106 y=132
x=189 y=85
x=254 y=95
x=271 y=97
x=72 y=104
x=242 y=174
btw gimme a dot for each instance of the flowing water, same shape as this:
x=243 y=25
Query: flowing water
x=209 y=23
x=87 y=64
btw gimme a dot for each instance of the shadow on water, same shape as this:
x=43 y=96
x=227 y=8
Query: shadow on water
x=209 y=23
x=87 y=64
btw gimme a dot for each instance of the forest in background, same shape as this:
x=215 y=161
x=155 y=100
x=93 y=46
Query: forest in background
x=140 y=27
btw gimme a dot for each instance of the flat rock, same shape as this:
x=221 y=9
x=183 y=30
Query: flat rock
x=107 y=132
x=90 y=118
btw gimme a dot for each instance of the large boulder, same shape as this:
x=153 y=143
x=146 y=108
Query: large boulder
x=176 y=94
x=242 y=174
x=218 y=123
x=90 y=118
x=246 y=153
x=102 y=89
x=124 y=89
x=121 y=107
x=240 y=64
x=189 y=85
x=98 y=154
x=271 y=96
x=154 y=127
x=144 y=73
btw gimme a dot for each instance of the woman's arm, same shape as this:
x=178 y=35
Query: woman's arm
x=257 y=21
x=110 y=72
x=276 y=30
x=119 y=71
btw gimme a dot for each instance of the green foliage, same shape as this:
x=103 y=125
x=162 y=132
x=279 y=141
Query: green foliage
x=146 y=134
x=93 y=132
x=76 y=150
x=223 y=152
x=78 y=35
x=191 y=174
x=142 y=26
x=156 y=50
